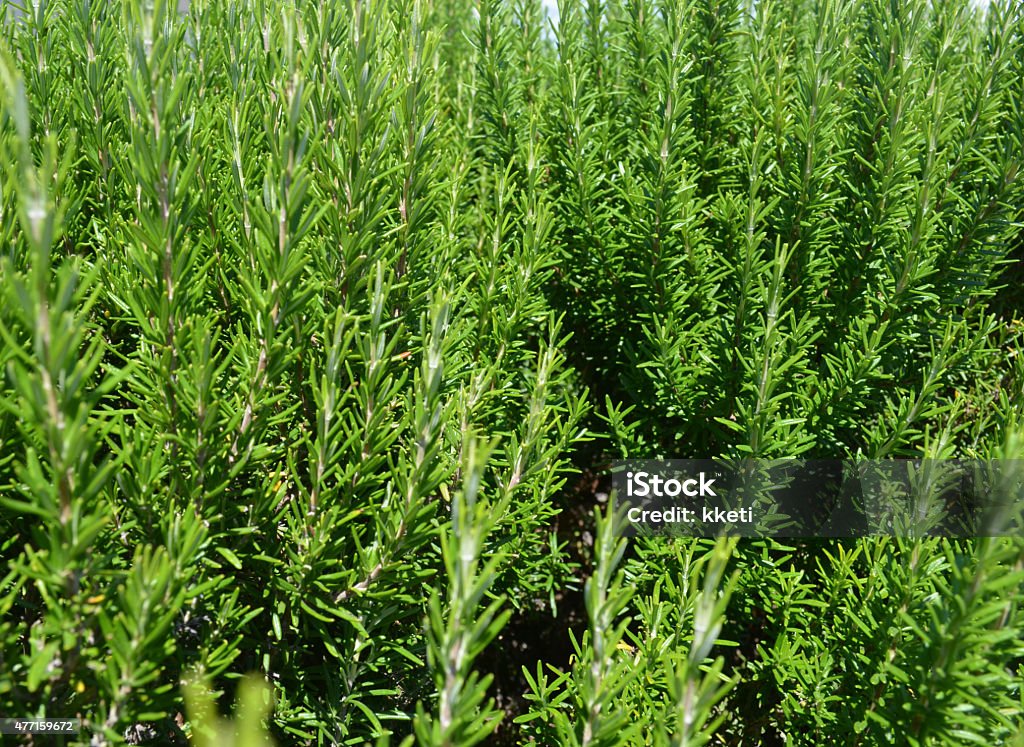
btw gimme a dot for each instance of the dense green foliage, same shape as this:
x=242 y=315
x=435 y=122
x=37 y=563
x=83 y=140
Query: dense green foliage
x=312 y=313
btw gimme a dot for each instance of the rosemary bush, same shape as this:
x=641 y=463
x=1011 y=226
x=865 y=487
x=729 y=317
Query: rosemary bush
x=311 y=314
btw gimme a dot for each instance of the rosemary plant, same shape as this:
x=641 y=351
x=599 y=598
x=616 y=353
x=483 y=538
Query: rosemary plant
x=317 y=321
